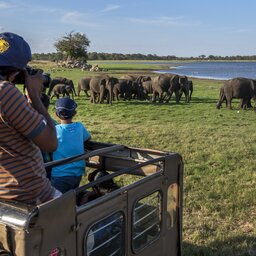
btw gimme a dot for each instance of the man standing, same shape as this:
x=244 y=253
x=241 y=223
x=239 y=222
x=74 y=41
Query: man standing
x=25 y=128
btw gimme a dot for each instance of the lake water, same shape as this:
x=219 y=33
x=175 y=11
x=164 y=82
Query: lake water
x=214 y=70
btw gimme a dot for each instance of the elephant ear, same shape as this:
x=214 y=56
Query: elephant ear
x=253 y=85
x=253 y=82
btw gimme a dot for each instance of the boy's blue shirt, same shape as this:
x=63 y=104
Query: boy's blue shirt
x=71 y=138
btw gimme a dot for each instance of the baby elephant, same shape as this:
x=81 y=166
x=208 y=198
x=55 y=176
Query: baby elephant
x=62 y=89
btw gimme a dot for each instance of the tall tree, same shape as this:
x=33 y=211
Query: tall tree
x=73 y=46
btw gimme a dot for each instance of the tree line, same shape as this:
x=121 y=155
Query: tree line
x=59 y=56
x=74 y=46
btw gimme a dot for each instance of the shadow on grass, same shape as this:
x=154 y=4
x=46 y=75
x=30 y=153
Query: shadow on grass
x=237 y=246
x=145 y=102
x=202 y=100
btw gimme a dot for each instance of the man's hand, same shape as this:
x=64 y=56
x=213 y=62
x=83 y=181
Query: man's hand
x=34 y=85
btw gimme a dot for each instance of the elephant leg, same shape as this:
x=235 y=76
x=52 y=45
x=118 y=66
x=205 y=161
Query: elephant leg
x=161 y=97
x=244 y=103
x=241 y=105
x=222 y=98
x=73 y=88
x=249 y=104
x=49 y=92
x=180 y=94
x=177 y=96
x=190 y=94
x=86 y=93
x=108 y=98
x=154 y=96
x=170 y=96
x=101 y=95
x=167 y=97
x=187 y=96
x=93 y=98
x=97 y=98
x=128 y=96
x=229 y=101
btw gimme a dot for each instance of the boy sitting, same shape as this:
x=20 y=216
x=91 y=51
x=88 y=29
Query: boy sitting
x=71 y=138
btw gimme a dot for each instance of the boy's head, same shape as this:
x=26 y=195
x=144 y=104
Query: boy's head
x=65 y=108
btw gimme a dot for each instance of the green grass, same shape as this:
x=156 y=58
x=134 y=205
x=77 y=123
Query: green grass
x=219 y=151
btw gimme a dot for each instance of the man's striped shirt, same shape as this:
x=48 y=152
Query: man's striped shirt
x=22 y=173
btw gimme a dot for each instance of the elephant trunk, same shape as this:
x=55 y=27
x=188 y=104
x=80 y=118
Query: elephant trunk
x=110 y=96
x=102 y=94
x=73 y=87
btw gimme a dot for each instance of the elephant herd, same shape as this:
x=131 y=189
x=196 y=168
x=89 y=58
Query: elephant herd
x=128 y=87
x=105 y=88
x=161 y=88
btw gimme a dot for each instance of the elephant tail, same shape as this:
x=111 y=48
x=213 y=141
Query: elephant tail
x=221 y=98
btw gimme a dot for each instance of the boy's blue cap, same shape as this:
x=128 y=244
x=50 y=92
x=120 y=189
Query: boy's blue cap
x=65 y=107
x=14 y=51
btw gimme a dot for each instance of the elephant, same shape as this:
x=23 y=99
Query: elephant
x=147 y=87
x=138 y=79
x=137 y=91
x=168 y=84
x=63 y=89
x=123 y=89
x=128 y=77
x=84 y=85
x=190 y=88
x=61 y=80
x=243 y=103
x=141 y=79
x=46 y=81
x=183 y=80
x=102 y=86
x=239 y=88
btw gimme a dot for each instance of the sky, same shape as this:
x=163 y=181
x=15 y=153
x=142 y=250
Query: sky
x=183 y=28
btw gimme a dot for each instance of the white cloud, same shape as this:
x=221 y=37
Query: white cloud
x=78 y=19
x=176 y=21
x=241 y=30
x=5 y=5
x=111 y=7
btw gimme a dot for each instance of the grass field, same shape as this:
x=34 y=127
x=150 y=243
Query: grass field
x=218 y=148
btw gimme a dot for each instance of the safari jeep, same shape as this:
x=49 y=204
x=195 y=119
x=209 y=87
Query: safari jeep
x=142 y=216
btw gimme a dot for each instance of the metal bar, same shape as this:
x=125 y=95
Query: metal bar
x=145 y=216
x=118 y=173
x=105 y=226
x=115 y=252
x=83 y=156
x=105 y=242
x=144 y=231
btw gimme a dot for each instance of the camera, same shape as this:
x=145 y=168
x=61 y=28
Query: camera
x=20 y=78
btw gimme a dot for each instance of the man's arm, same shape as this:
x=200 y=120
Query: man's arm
x=46 y=140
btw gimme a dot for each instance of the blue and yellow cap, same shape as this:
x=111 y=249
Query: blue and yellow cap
x=14 y=51
x=65 y=108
